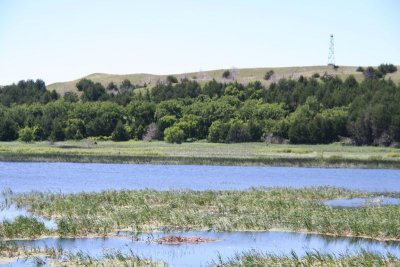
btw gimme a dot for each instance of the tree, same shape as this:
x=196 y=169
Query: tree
x=268 y=75
x=172 y=79
x=226 y=74
x=238 y=132
x=111 y=86
x=26 y=135
x=120 y=133
x=75 y=129
x=8 y=129
x=174 y=134
x=126 y=85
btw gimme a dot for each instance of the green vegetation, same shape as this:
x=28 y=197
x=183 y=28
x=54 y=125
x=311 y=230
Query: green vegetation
x=300 y=111
x=111 y=258
x=315 y=259
x=22 y=227
x=88 y=150
x=297 y=210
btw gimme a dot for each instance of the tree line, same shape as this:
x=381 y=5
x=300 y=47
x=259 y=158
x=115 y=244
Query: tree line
x=315 y=110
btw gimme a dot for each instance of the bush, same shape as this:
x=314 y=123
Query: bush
x=226 y=74
x=238 y=132
x=120 y=133
x=387 y=68
x=360 y=69
x=316 y=75
x=8 y=129
x=217 y=132
x=268 y=75
x=26 y=135
x=174 y=134
x=172 y=79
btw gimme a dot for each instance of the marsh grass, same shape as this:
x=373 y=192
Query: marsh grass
x=256 y=209
x=313 y=258
x=22 y=227
x=109 y=258
x=333 y=155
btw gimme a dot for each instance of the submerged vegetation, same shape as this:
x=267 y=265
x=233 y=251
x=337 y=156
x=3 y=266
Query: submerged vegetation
x=298 y=210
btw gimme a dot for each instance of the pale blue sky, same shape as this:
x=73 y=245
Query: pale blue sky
x=67 y=39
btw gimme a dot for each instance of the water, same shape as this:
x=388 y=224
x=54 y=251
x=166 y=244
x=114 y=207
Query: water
x=362 y=202
x=9 y=212
x=78 y=177
x=281 y=243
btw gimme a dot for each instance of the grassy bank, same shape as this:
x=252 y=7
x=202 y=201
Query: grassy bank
x=297 y=210
x=333 y=155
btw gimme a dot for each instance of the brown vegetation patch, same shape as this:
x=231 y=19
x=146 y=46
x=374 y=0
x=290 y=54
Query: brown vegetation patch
x=176 y=239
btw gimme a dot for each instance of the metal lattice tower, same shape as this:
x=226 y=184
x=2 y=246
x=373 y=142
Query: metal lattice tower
x=331 y=55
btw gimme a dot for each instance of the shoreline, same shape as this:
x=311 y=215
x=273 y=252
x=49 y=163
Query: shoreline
x=213 y=161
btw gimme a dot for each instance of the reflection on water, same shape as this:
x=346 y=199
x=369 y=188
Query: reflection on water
x=78 y=177
x=362 y=202
x=229 y=243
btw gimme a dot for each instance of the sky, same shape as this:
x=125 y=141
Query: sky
x=61 y=40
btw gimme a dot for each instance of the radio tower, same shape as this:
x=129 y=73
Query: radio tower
x=331 y=55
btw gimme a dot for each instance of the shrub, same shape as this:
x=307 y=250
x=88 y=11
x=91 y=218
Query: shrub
x=174 y=134
x=26 y=135
x=360 y=69
x=226 y=74
x=172 y=79
x=268 y=75
x=120 y=133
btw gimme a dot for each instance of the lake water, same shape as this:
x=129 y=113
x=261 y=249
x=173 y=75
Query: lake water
x=78 y=177
x=362 y=202
x=281 y=243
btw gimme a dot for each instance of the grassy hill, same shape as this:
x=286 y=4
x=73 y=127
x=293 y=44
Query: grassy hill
x=241 y=75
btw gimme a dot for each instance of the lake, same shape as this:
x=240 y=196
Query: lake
x=281 y=243
x=94 y=177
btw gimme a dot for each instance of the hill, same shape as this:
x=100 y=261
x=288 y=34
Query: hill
x=245 y=76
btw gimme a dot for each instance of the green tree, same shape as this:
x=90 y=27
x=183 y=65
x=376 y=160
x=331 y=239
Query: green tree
x=8 y=129
x=172 y=79
x=120 y=133
x=174 y=134
x=226 y=74
x=26 y=135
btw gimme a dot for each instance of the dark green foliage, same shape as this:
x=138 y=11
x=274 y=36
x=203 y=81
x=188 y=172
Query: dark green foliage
x=126 y=85
x=268 y=75
x=120 y=133
x=112 y=87
x=360 y=69
x=172 y=79
x=91 y=91
x=387 y=68
x=371 y=73
x=71 y=97
x=26 y=92
x=8 y=128
x=226 y=74
x=307 y=110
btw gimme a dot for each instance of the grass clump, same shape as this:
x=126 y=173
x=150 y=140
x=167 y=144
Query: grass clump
x=257 y=209
x=315 y=258
x=22 y=227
